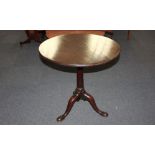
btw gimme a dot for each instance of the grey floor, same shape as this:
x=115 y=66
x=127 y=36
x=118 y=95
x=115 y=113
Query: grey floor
x=33 y=93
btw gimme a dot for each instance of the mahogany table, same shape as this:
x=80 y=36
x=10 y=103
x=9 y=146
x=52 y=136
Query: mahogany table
x=80 y=51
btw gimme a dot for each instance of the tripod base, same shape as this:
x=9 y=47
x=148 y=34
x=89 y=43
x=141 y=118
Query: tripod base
x=81 y=94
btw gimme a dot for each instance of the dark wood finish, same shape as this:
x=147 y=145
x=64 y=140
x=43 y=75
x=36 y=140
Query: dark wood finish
x=81 y=94
x=35 y=35
x=80 y=51
x=129 y=35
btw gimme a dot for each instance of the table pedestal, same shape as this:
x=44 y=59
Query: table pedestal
x=81 y=94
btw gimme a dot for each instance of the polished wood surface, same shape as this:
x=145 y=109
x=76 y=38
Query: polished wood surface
x=79 y=50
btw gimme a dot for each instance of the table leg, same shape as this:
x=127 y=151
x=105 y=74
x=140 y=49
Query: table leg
x=81 y=94
x=129 y=35
x=71 y=102
x=91 y=100
x=31 y=35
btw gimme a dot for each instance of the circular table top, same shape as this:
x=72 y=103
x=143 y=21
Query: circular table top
x=79 y=50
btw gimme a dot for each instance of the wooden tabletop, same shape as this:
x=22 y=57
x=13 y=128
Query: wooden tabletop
x=79 y=50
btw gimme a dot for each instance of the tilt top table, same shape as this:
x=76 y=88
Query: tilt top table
x=80 y=51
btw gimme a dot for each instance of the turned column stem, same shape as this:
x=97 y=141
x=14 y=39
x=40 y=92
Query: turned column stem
x=80 y=80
